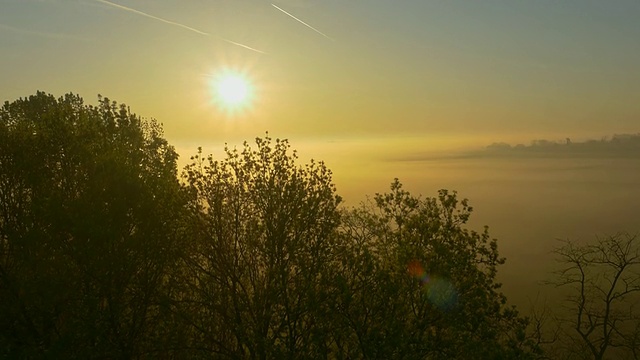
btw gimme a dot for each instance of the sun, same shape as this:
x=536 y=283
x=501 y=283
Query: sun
x=232 y=91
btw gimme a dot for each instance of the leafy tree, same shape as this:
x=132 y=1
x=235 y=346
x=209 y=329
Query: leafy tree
x=264 y=236
x=602 y=283
x=88 y=202
x=278 y=271
x=417 y=285
x=105 y=254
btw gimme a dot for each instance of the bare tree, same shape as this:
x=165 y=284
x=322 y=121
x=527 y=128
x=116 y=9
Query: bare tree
x=544 y=329
x=603 y=283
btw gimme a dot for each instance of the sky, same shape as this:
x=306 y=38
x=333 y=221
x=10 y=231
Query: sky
x=364 y=69
x=374 y=79
x=369 y=86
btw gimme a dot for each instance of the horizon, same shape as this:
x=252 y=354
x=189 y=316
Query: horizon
x=479 y=72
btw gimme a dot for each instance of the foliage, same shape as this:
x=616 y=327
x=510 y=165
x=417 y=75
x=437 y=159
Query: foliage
x=87 y=198
x=263 y=241
x=104 y=253
x=279 y=271
x=418 y=285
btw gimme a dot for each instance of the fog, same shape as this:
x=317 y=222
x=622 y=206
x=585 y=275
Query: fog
x=530 y=196
x=527 y=202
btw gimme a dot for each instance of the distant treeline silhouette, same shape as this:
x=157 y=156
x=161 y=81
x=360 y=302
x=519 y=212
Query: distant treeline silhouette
x=624 y=146
x=619 y=145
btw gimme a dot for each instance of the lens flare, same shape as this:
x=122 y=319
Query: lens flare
x=417 y=271
x=440 y=292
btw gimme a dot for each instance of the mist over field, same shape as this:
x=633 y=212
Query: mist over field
x=528 y=196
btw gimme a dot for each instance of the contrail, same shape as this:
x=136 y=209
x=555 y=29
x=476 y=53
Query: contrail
x=303 y=23
x=242 y=45
x=153 y=17
x=122 y=7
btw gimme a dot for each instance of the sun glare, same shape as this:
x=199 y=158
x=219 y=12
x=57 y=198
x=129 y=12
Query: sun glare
x=232 y=91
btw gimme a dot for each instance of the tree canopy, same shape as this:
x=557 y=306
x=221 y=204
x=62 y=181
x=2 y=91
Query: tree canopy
x=106 y=253
x=88 y=199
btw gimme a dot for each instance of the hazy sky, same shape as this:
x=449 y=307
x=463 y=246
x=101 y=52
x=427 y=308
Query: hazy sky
x=438 y=71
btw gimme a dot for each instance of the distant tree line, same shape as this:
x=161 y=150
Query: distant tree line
x=619 y=145
x=107 y=252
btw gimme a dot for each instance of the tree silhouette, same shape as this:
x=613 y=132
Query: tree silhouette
x=264 y=239
x=416 y=284
x=105 y=253
x=88 y=200
x=602 y=279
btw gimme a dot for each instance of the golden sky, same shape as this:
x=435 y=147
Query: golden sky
x=426 y=74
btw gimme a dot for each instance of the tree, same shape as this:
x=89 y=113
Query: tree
x=602 y=280
x=278 y=271
x=104 y=253
x=263 y=236
x=415 y=284
x=88 y=204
